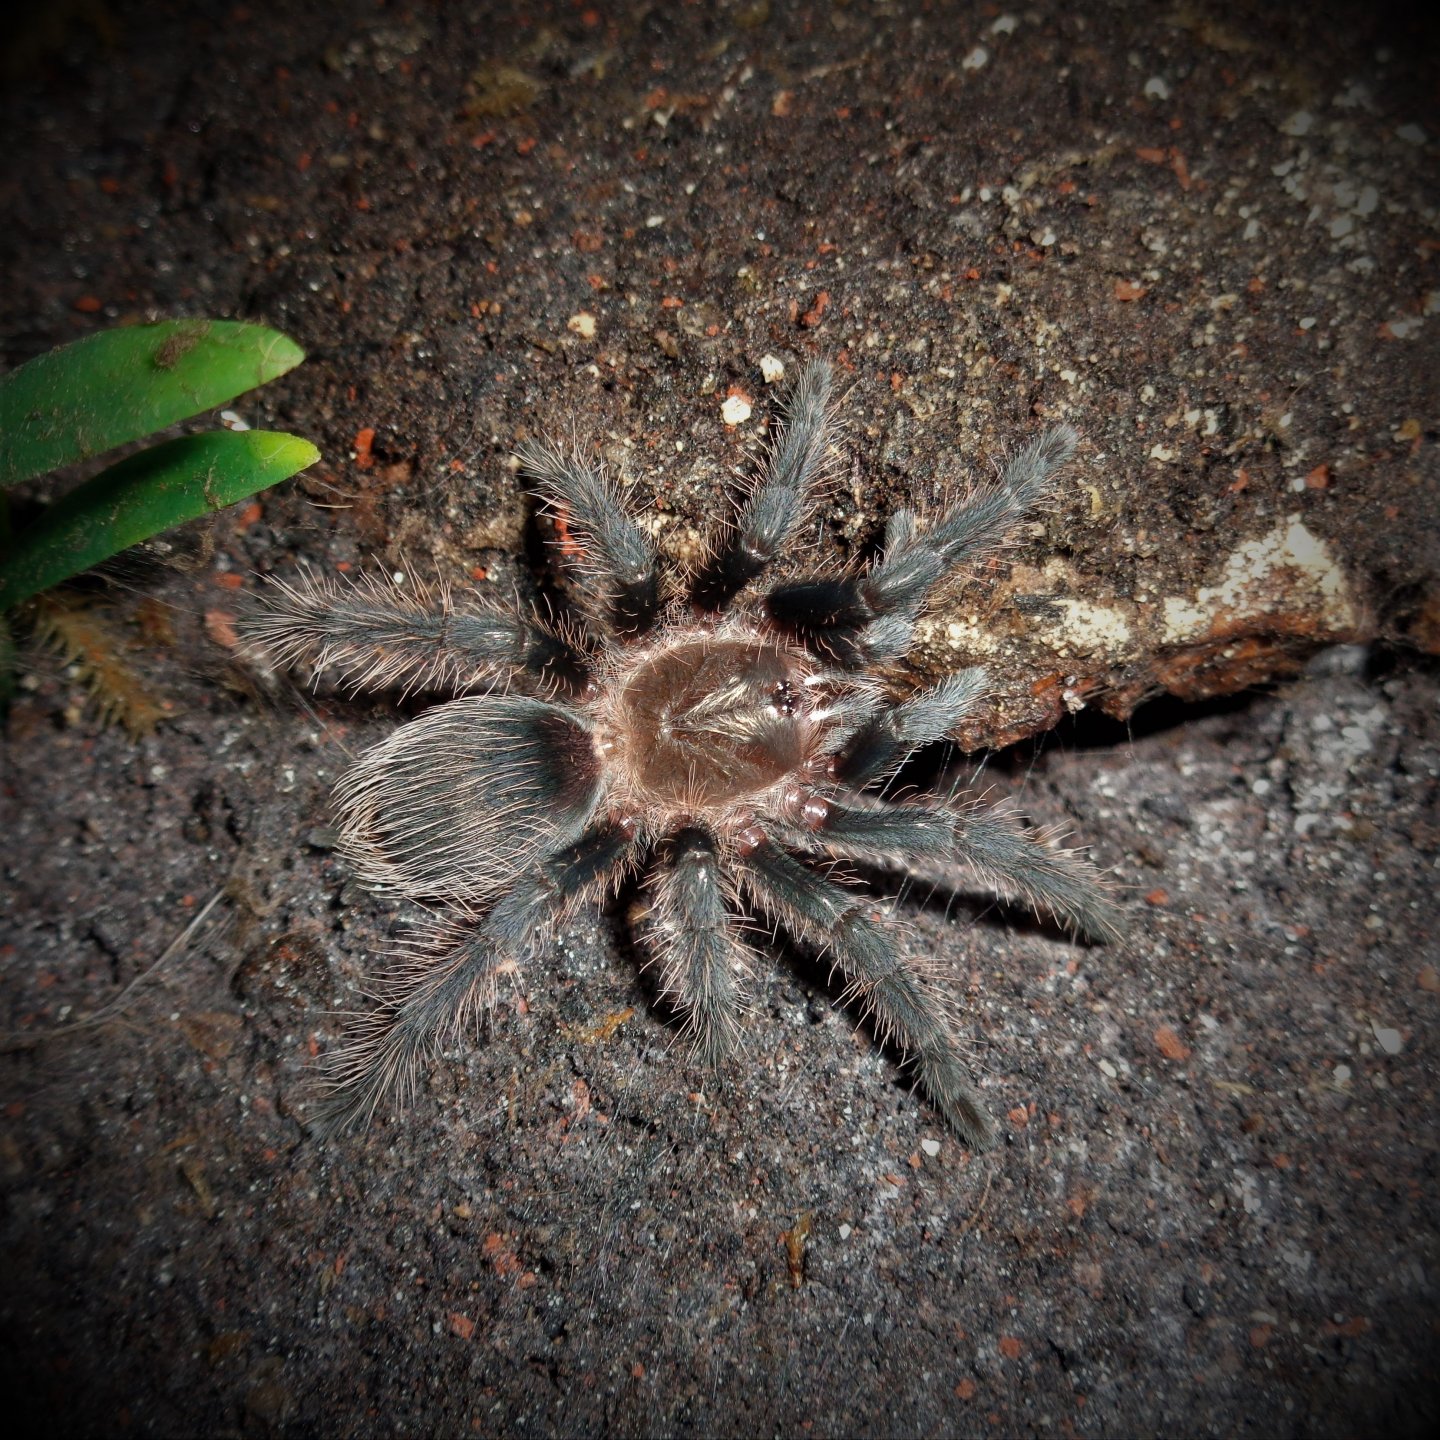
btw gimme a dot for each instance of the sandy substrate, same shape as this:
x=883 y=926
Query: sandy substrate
x=1205 y=239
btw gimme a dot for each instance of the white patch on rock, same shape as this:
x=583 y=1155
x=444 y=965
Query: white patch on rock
x=1277 y=574
x=1090 y=629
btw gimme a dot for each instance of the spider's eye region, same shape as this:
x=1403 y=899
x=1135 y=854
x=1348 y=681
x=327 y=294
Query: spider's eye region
x=707 y=721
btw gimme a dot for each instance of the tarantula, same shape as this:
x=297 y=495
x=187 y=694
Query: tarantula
x=736 y=736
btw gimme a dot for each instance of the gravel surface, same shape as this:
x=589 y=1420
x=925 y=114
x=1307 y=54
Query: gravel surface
x=1207 y=239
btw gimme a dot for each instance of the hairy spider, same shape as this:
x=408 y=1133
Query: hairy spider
x=728 y=738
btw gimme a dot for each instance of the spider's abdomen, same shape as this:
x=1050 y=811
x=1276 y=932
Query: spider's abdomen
x=459 y=802
x=707 y=721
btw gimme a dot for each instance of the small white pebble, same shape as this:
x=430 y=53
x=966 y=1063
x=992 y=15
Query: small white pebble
x=654 y=222
x=1300 y=123
x=1411 y=134
x=975 y=59
x=1106 y=1068
x=772 y=368
x=1156 y=88
x=735 y=410
x=1402 y=327
x=1341 y=226
x=582 y=324
x=1387 y=1039
x=932 y=1147
x=1342 y=1074
x=1308 y=323
x=1005 y=25
x=846 y=1232
x=231 y=421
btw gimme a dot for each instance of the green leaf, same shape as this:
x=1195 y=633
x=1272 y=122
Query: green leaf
x=143 y=495
x=122 y=385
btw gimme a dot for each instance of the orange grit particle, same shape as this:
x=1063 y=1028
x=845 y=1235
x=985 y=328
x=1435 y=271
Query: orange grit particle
x=220 y=626
x=1169 y=1043
x=812 y=316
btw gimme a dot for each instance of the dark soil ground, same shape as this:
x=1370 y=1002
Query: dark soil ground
x=1207 y=237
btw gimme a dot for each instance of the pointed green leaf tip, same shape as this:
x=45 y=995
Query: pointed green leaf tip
x=150 y=492
x=121 y=385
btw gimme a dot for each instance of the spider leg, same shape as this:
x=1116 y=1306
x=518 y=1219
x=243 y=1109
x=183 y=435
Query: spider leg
x=938 y=843
x=461 y=801
x=978 y=524
x=1016 y=864
x=888 y=737
x=898 y=834
x=905 y=1001
x=702 y=964
x=619 y=557
x=773 y=513
x=861 y=619
x=380 y=637
x=450 y=977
